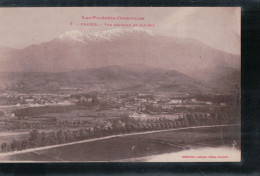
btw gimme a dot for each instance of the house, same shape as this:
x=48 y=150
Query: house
x=175 y=101
x=222 y=104
x=193 y=100
x=137 y=115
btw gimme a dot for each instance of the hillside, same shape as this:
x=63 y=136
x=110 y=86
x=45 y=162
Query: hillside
x=110 y=78
x=76 y=51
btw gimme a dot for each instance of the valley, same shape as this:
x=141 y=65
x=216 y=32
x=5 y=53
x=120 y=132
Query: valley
x=119 y=94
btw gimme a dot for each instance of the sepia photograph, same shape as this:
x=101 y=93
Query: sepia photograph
x=120 y=84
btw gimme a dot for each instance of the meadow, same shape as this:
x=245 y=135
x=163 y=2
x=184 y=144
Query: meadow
x=134 y=146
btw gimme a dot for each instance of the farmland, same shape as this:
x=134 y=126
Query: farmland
x=135 y=146
x=83 y=116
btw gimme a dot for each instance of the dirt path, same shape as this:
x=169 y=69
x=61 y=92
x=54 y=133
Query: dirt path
x=5 y=134
x=107 y=137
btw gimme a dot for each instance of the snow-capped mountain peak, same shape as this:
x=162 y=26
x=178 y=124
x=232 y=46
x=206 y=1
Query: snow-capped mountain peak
x=74 y=35
x=106 y=35
x=113 y=33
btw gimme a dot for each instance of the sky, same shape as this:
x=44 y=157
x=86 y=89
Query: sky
x=219 y=27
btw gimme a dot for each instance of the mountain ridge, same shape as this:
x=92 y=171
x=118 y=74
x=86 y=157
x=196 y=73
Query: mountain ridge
x=105 y=78
x=106 y=35
x=180 y=54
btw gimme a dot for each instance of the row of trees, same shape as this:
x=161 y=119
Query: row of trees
x=118 y=126
x=49 y=123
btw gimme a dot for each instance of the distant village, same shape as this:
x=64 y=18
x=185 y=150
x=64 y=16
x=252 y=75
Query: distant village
x=139 y=102
x=72 y=116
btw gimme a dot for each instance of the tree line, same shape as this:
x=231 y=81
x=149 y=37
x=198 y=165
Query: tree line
x=118 y=126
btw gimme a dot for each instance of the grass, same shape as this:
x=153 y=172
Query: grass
x=119 y=148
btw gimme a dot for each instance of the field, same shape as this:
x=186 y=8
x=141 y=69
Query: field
x=10 y=136
x=134 y=146
x=87 y=114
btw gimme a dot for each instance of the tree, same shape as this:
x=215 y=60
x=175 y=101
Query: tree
x=24 y=144
x=153 y=126
x=60 y=137
x=82 y=133
x=4 y=147
x=18 y=146
x=68 y=136
x=162 y=126
x=109 y=130
x=167 y=125
x=178 y=124
x=13 y=145
x=52 y=138
x=34 y=138
x=44 y=140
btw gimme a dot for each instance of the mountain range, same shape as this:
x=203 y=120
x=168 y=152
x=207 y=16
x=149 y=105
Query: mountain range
x=74 y=50
x=130 y=78
x=74 y=53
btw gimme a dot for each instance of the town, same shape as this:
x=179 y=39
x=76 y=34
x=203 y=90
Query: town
x=90 y=115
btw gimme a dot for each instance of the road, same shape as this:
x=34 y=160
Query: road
x=107 y=137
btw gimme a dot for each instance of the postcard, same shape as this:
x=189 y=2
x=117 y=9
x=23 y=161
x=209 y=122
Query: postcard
x=120 y=84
